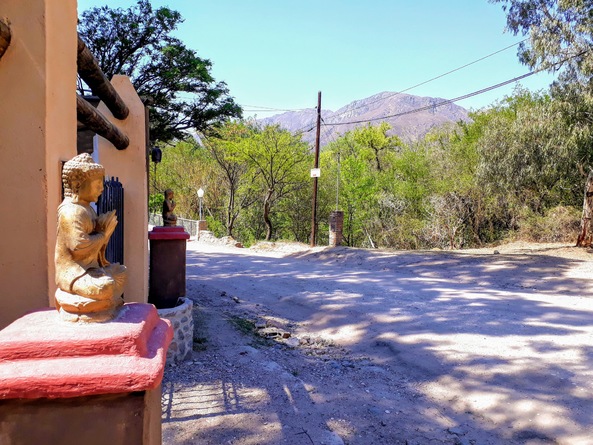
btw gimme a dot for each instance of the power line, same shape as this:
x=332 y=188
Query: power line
x=265 y=109
x=301 y=130
x=434 y=78
x=438 y=104
x=457 y=99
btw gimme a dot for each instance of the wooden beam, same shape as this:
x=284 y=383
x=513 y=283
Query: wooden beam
x=5 y=37
x=95 y=121
x=90 y=72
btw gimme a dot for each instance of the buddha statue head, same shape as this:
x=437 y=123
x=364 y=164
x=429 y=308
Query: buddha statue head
x=78 y=172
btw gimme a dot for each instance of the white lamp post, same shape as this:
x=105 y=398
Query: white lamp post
x=200 y=195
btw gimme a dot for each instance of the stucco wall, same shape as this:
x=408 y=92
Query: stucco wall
x=130 y=166
x=37 y=132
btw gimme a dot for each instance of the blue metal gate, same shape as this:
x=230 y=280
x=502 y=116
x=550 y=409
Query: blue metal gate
x=113 y=198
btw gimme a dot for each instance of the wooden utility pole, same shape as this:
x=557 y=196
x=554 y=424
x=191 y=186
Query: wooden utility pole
x=315 y=178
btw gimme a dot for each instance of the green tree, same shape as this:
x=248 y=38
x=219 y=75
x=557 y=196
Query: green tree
x=279 y=159
x=561 y=39
x=560 y=35
x=365 y=156
x=527 y=155
x=185 y=168
x=226 y=145
x=374 y=143
x=138 y=42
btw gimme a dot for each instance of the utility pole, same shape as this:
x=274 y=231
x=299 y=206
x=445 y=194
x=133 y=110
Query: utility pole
x=315 y=177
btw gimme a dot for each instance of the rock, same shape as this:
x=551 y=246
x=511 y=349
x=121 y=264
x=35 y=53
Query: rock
x=272 y=332
x=375 y=411
x=331 y=438
x=458 y=431
x=292 y=342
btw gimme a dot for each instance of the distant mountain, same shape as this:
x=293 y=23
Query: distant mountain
x=409 y=127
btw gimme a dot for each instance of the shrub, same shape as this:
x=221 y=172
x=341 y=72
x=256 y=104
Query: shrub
x=558 y=224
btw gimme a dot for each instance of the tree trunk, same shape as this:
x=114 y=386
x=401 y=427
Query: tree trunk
x=586 y=234
x=267 y=215
x=230 y=216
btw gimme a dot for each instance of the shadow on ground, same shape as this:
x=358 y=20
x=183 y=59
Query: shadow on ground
x=491 y=348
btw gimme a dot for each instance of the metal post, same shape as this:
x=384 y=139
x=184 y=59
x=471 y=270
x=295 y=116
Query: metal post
x=338 y=185
x=314 y=212
x=200 y=196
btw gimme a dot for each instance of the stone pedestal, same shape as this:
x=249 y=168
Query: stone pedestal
x=181 y=318
x=167 y=265
x=202 y=227
x=336 y=225
x=72 y=383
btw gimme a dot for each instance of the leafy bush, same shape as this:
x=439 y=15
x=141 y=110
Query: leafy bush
x=558 y=224
x=155 y=203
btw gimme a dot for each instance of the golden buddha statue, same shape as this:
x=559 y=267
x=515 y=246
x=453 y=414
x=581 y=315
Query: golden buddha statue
x=89 y=287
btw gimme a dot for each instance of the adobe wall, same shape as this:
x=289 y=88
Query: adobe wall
x=130 y=166
x=37 y=132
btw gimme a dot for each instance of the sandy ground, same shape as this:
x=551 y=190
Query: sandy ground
x=385 y=347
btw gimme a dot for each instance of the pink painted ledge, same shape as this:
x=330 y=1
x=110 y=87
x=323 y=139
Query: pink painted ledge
x=42 y=356
x=168 y=233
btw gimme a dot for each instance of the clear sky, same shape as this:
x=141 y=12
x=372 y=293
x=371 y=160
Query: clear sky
x=280 y=53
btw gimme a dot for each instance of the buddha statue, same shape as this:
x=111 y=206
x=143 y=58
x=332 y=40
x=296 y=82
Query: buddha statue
x=89 y=287
x=169 y=218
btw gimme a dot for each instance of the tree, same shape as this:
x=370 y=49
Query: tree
x=374 y=139
x=226 y=146
x=585 y=237
x=185 y=169
x=560 y=35
x=366 y=156
x=137 y=42
x=279 y=158
x=527 y=154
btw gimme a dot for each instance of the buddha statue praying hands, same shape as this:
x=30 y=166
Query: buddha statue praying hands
x=89 y=287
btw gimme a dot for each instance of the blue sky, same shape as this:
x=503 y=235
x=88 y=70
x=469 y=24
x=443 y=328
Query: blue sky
x=280 y=53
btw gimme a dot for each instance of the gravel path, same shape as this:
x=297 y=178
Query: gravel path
x=376 y=347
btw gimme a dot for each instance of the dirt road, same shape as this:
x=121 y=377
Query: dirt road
x=472 y=347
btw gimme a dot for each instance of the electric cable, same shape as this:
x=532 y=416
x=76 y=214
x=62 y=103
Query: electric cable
x=301 y=130
x=438 y=104
x=434 y=78
x=457 y=99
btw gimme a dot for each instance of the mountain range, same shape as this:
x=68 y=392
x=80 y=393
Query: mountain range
x=410 y=117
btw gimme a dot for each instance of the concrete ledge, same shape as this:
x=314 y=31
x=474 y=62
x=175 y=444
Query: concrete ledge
x=43 y=356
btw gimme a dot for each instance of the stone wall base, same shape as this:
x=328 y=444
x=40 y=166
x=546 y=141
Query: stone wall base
x=336 y=225
x=181 y=318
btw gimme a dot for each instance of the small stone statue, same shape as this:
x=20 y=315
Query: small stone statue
x=89 y=287
x=169 y=218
